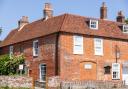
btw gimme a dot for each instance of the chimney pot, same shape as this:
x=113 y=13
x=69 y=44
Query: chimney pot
x=120 y=17
x=23 y=21
x=48 y=11
x=103 y=11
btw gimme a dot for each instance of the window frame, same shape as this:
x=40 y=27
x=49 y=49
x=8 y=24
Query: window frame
x=77 y=44
x=11 y=49
x=96 y=25
x=101 y=46
x=125 y=26
x=117 y=70
x=34 y=49
x=40 y=74
x=107 y=70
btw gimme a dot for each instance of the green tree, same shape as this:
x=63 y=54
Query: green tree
x=0 y=30
x=10 y=65
x=126 y=20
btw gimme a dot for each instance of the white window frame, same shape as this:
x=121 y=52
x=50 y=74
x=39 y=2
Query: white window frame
x=98 y=47
x=116 y=70
x=91 y=24
x=34 y=49
x=40 y=73
x=11 y=50
x=77 y=43
x=125 y=28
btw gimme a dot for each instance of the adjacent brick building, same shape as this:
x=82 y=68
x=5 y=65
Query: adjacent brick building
x=71 y=46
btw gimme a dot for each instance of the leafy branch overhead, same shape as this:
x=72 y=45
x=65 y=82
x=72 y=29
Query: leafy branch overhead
x=10 y=65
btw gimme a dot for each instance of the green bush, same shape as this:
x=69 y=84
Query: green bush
x=12 y=88
x=126 y=20
x=9 y=66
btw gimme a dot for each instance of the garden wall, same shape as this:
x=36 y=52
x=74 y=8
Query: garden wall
x=16 y=81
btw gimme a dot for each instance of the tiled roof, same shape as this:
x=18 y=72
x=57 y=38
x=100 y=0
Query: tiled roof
x=66 y=23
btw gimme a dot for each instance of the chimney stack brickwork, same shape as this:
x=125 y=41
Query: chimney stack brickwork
x=48 y=11
x=103 y=11
x=23 y=21
x=120 y=17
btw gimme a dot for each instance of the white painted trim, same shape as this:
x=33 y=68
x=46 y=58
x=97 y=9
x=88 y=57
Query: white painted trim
x=76 y=43
x=34 y=48
x=124 y=29
x=40 y=77
x=97 y=24
x=118 y=70
x=11 y=48
x=101 y=53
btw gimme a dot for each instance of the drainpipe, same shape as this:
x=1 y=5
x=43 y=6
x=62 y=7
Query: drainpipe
x=57 y=69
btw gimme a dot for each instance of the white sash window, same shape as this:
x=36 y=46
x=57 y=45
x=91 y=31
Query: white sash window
x=78 y=44
x=35 y=48
x=115 y=71
x=10 y=51
x=98 y=46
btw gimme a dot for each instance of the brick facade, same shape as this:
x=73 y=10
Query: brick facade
x=72 y=66
x=47 y=54
x=55 y=37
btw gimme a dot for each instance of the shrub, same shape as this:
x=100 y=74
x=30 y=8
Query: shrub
x=10 y=65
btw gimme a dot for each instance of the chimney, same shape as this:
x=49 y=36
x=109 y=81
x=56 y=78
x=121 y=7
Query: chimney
x=120 y=17
x=103 y=11
x=48 y=11
x=23 y=21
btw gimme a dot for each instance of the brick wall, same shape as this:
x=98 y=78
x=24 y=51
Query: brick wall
x=47 y=54
x=72 y=65
x=15 y=81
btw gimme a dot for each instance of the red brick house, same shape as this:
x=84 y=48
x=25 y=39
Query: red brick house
x=71 y=46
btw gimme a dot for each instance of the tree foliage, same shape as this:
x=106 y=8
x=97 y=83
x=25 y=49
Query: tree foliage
x=126 y=20
x=0 y=30
x=9 y=65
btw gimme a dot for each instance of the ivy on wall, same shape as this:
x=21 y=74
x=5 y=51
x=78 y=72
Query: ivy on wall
x=10 y=66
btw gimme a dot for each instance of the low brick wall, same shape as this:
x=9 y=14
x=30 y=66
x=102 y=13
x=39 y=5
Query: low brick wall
x=16 y=81
x=92 y=85
x=56 y=83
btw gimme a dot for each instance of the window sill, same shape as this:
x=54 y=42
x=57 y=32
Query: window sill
x=35 y=56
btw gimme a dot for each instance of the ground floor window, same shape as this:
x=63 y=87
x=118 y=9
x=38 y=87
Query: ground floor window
x=107 y=70
x=42 y=72
x=115 y=71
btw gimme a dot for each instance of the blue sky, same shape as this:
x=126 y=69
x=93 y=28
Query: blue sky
x=12 y=10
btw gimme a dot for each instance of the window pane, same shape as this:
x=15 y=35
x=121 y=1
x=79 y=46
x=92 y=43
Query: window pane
x=93 y=24
x=43 y=72
x=78 y=45
x=116 y=70
x=35 y=48
x=98 y=46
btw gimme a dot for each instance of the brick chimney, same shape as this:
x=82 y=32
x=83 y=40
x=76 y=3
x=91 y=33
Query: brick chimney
x=48 y=11
x=23 y=21
x=103 y=11
x=120 y=17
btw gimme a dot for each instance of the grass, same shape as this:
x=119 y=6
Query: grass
x=12 y=88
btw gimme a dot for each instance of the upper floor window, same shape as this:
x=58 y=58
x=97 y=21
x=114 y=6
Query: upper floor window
x=93 y=24
x=77 y=44
x=115 y=71
x=21 y=49
x=35 y=48
x=98 y=46
x=10 y=51
x=125 y=28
